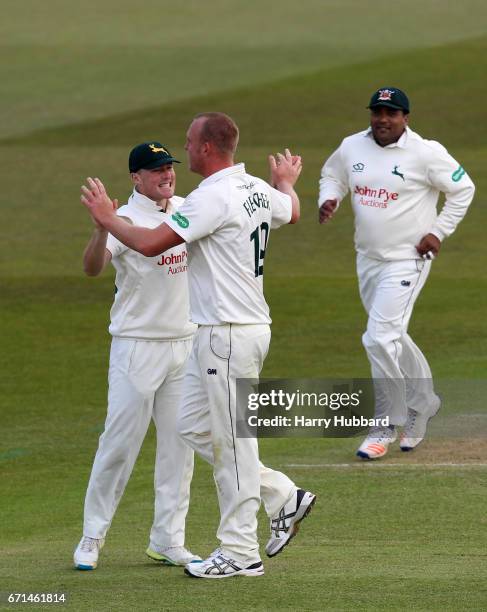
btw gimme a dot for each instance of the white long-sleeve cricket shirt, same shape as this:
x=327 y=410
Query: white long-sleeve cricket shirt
x=395 y=190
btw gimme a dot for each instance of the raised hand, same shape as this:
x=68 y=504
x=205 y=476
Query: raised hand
x=285 y=168
x=97 y=201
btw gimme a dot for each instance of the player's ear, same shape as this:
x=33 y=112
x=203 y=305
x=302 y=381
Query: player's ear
x=406 y=118
x=135 y=178
x=207 y=147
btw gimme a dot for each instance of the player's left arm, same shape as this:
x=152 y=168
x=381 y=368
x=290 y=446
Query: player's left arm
x=149 y=242
x=448 y=176
x=285 y=170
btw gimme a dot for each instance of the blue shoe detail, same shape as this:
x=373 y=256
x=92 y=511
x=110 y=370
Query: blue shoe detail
x=362 y=455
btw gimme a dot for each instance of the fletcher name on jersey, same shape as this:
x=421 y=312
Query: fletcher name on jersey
x=229 y=209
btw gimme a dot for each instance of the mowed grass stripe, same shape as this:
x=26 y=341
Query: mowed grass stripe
x=65 y=64
x=317 y=109
x=419 y=549
x=60 y=325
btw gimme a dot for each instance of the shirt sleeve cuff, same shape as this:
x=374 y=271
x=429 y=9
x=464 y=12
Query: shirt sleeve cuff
x=438 y=233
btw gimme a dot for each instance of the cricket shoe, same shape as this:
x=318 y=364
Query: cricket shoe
x=285 y=524
x=86 y=553
x=415 y=428
x=172 y=555
x=220 y=565
x=377 y=442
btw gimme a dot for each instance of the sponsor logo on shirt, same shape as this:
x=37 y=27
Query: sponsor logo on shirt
x=180 y=220
x=397 y=173
x=211 y=371
x=175 y=263
x=249 y=186
x=358 y=167
x=256 y=201
x=376 y=198
x=458 y=174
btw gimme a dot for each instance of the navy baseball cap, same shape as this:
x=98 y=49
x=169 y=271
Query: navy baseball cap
x=391 y=97
x=149 y=155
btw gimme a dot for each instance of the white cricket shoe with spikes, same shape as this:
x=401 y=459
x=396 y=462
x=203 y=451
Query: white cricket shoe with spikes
x=415 y=429
x=220 y=565
x=86 y=553
x=173 y=555
x=285 y=524
x=377 y=443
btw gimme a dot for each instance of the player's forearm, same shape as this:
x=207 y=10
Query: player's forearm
x=140 y=239
x=285 y=187
x=333 y=184
x=149 y=242
x=331 y=189
x=94 y=257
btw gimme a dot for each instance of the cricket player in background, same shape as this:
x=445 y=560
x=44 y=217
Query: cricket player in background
x=395 y=178
x=152 y=338
x=226 y=223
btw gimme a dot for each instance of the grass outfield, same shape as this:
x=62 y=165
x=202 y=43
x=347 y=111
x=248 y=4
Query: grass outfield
x=408 y=532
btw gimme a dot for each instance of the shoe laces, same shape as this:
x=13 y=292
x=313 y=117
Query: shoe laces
x=281 y=522
x=411 y=421
x=381 y=433
x=89 y=544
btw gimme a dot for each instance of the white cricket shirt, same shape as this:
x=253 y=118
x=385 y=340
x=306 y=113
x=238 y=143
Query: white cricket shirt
x=226 y=223
x=151 y=299
x=394 y=192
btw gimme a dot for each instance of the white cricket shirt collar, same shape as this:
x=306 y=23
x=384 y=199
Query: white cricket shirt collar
x=144 y=203
x=401 y=143
x=217 y=176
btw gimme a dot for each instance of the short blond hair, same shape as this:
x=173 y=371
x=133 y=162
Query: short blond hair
x=221 y=130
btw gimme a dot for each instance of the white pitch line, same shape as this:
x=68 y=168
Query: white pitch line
x=383 y=465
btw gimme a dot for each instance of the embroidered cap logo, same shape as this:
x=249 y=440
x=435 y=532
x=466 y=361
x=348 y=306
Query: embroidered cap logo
x=155 y=149
x=385 y=94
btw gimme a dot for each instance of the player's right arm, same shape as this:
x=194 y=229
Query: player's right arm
x=96 y=255
x=102 y=247
x=148 y=241
x=333 y=186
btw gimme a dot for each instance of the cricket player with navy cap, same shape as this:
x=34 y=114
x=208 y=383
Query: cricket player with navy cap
x=395 y=177
x=151 y=341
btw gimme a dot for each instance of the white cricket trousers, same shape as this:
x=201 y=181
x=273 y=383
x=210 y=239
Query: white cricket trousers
x=145 y=381
x=207 y=422
x=389 y=290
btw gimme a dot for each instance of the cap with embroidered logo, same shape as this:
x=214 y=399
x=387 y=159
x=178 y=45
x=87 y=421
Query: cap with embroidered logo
x=149 y=155
x=392 y=97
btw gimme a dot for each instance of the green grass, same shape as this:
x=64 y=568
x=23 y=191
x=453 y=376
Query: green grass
x=65 y=62
x=87 y=82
